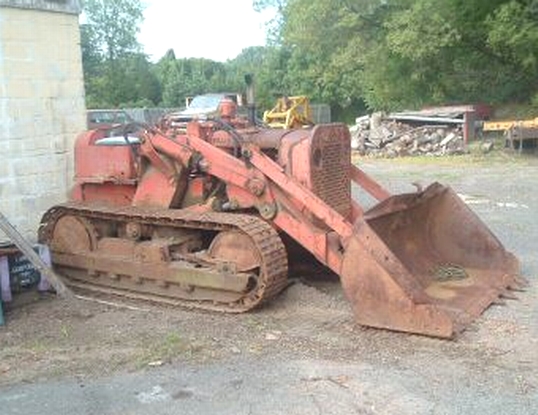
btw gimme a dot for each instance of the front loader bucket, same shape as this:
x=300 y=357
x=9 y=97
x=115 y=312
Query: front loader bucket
x=425 y=263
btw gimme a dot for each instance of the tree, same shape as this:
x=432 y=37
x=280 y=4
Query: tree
x=168 y=73
x=115 y=71
x=273 y=26
x=406 y=53
x=328 y=41
x=465 y=51
x=351 y=54
x=92 y=64
x=513 y=34
x=114 y=25
x=139 y=85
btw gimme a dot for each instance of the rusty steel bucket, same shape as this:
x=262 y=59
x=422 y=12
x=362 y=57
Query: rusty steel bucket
x=425 y=263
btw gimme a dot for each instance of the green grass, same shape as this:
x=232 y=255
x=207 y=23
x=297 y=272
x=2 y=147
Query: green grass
x=255 y=323
x=65 y=331
x=167 y=348
x=38 y=346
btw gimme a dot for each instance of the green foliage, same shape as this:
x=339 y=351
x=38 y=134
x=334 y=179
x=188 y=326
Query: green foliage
x=329 y=41
x=407 y=53
x=350 y=54
x=513 y=33
x=130 y=81
x=269 y=67
x=182 y=78
x=422 y=31
x=114 y=26
x=115 y=72
x=445 y=56
x=169 y=76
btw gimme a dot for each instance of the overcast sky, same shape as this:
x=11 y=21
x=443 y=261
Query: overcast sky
x=213 y=29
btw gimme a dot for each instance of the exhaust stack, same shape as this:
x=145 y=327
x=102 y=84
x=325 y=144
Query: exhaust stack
x=251 y=99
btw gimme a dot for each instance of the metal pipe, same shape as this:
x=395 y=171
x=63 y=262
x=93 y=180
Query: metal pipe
x=251 y=99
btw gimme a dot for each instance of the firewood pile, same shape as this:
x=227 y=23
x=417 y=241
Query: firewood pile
x=382 y=137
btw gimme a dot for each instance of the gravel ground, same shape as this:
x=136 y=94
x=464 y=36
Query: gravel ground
x=300 y=354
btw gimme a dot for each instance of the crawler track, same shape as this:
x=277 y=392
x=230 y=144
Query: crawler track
x=271 y=275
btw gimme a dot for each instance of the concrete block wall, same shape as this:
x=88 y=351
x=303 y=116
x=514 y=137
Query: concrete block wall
x=42 y=110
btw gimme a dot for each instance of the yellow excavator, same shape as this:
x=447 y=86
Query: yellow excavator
x=289 y=112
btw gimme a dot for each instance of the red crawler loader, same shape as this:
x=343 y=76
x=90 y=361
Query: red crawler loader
x=198 y=219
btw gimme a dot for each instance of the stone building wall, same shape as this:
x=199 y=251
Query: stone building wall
x=41 y=106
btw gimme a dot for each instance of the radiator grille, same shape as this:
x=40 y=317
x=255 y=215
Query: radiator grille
x=330 y=160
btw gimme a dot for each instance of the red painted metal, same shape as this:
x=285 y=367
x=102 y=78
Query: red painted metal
x=227 y=109
x=392 y=259
x=105 y=174
x=99 y=163
x=424 y=263
x=156 y=189
x=107 y=193
x=302 y=195
x=367 y=183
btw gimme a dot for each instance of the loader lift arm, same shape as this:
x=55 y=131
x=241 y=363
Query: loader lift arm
x=276 y=196
x=372 y=251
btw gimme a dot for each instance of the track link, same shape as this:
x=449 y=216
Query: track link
x=273 y=265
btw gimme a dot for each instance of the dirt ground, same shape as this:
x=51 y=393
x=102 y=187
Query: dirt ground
x=492 y=366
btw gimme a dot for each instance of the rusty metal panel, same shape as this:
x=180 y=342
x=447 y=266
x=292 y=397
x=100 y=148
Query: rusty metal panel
x=330 y=159
x=425 y=263
x=95 y=163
